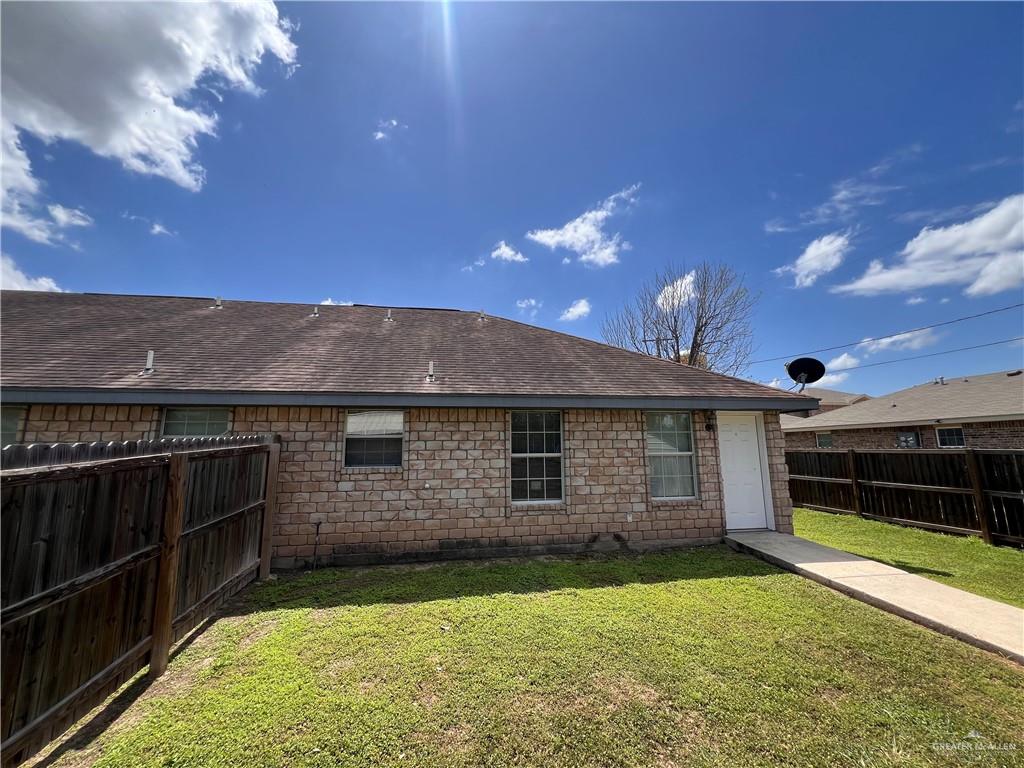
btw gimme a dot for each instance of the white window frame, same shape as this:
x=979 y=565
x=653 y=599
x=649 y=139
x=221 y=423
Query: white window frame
x=692 y=454
x=817 y=440
x=166 y=409
x=560 y=455
x=372 y=467
x=938 y=439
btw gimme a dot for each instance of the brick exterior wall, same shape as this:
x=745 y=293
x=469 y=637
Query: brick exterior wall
x=87 y=423
x=452 y=495
x=988 y=434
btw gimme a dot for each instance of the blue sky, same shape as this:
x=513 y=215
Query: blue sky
x=381 y=153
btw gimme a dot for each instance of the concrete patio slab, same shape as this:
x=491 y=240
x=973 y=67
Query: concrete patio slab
x=988 y=624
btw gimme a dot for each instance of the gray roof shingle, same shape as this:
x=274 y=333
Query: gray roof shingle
x=965 y=398
x=99 y=342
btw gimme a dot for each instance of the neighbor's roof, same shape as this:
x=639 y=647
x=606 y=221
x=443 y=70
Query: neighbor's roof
x=66 y=347
x=834 y=396
x=990 y=396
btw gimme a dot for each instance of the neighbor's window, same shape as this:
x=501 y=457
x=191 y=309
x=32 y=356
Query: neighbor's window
x=196 y=422
x=670 y=454
x=10 y=429
x=536 y=456
x=373 y=438
x=824 y=439
x=908 y=440
x=950 y=437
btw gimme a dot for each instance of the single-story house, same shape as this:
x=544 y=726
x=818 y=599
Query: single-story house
x=830 y=400
x=985 y=411
x=411 y=433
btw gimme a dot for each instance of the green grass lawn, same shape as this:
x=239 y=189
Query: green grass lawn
x=965 y=562
x=691 y=658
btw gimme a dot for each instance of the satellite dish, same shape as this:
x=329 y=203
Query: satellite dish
x=805 y=370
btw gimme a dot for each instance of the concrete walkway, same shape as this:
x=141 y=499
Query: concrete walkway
x=985 y=623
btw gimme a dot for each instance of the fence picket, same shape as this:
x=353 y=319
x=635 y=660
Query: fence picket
x=86 y=597
x=977 y=492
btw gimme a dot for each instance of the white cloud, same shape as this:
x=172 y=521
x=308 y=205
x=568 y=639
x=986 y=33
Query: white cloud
x=387 y=128
x=122 y=80
x=676 y=293
x=332 y=303
x=159 y=229
x=69 y=217
x=13 y=279
x=913 y=300
x=933 y=216
x=819 y=258
x=831 y=379
x=578 y=309
x=505 y=252
x=585 y=235
x=902 y=341
x=985 y=253
x=944 y=300
x=478 y=263
x=844 y=361
x=529 y=307
x=850 y=195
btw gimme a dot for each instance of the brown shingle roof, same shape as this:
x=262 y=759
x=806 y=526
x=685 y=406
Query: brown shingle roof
x=99 y=342
x=965 y=398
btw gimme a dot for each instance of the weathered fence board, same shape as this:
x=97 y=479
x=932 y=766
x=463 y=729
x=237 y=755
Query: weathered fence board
x=107 y=561
x=971 y=492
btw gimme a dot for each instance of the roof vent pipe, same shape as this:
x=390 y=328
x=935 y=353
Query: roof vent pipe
x=430 y=372
x=315 y=312
x=389 y=319
x=218 y=304
x=150 y=355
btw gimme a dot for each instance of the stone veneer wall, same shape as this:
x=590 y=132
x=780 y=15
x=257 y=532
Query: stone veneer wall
x=451 y=496
x=989 y=434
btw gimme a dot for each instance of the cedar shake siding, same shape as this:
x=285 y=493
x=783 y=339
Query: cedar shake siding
x=451 y=496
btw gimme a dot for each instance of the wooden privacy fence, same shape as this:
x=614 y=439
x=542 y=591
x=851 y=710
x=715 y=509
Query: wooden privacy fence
x=974 y=492
x=107 y=562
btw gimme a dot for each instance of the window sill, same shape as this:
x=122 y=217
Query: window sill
x=675 y=501
x=388 y=470
x=538 y=506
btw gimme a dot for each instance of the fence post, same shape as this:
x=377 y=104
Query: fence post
x=167 y=581
x=851 y=463
x=269 y=508
x=974 y=470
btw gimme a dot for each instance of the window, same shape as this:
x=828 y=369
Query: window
x=373 y=438
x=10 y=429
x=670 y=454
x=908 y=440
x=536 y=456
x=950 y=437
x=196 y=422
x=823 y=439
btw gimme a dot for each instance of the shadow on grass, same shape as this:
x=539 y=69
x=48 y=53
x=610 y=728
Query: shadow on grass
x=421 y=583
x=398 y=584
x=85 y=732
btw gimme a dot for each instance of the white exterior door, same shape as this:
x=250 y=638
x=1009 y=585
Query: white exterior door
x=743 y=480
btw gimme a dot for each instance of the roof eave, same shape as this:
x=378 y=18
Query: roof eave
x=111 y=396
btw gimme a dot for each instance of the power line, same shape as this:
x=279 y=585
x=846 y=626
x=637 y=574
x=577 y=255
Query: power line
x=890 y=336
x=930 y=354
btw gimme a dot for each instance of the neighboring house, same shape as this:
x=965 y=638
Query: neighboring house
x=829 y=400
x=985 y=411
x=411 y=433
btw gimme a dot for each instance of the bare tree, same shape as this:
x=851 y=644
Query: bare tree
x=700 y=317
